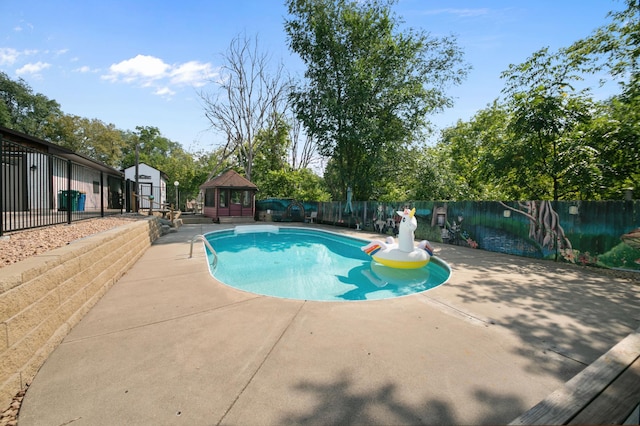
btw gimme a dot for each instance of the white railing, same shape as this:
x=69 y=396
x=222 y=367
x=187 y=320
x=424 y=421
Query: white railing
x=208 y=245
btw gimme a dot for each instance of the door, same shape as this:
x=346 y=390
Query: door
x=146 y=189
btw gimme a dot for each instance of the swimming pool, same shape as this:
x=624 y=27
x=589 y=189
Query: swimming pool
x=311 y=264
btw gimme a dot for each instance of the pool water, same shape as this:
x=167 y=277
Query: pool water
x=309 y=264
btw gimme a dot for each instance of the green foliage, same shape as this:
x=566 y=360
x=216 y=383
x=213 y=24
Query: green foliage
x=469 y=156
x=368 y=87
x=612 y=49
x=366 y=97
x=615 y=134
x=93 y=138
x=548 y=140
x=24 y=111
x=301 y=185
x=273 y=174
x=273 y=144
x=545 y=111
x=169 y=157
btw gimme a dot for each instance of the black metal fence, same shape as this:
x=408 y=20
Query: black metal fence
x=39 y=188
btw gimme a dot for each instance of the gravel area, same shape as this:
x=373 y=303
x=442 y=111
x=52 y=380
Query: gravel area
x=20 y=245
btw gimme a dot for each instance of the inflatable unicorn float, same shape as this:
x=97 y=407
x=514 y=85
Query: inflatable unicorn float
x=404 y=254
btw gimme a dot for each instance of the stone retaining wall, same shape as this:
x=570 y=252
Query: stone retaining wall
x=43 y=297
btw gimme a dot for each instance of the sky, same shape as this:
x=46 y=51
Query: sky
x=144 y=62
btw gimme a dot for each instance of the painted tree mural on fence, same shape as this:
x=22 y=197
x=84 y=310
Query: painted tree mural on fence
x=544 y=226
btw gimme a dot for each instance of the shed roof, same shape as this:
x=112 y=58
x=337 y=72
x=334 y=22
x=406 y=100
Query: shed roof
x=229 y=179
x=163 y=175
x=51 y=148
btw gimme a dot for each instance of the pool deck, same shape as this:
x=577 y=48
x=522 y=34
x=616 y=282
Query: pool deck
x=170 y=345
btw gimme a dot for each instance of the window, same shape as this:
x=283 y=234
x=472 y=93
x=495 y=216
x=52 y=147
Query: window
x=246 y=199
x=236 y=196
x=96 y=187
x=210 y=197
x=223 y=198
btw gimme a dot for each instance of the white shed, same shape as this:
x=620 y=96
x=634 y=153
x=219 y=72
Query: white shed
x=151 y=181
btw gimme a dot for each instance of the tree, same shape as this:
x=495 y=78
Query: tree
x=615 y=134
x=275 y=176
x=473 y=152
x=435 y=178
x=66 y=131
x=153 y=148
x=545 y=110
x=167 y=156
x=274 y=147
x=303 y=153
x=93 y=138
x=614 y=47
x=614 y=50
x=247 y=97
x=368 y=87
x=106 y=142
x=301 y=185
x=24 y=111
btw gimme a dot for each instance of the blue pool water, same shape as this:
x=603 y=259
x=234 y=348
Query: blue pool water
x=309 y=264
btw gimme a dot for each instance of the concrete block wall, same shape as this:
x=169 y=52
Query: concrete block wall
x=43 y=297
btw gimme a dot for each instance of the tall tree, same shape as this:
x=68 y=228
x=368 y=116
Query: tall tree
x=474 y=152
x=369 y=87
x=303 y=152
x=248 y=93
x=546 y=109
x=24 y=111
x=274 y=143
x=93 y=138
x=613 y=47
x=613 y=50
x=435 y=178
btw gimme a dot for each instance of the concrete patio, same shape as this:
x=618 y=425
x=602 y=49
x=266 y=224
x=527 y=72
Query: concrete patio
x=168 y=344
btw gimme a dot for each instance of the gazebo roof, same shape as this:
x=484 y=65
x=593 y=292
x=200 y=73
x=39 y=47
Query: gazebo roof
x=229 y=179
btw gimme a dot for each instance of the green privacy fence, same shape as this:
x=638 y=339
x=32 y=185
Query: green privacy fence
x=602 y=233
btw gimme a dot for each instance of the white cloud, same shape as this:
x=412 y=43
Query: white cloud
x=164 y=91
x=8 y=55
x=149 y=71
x=83 y=69
x=140 y=69
x=192 y=73
x=21 y=26
x=33 y=69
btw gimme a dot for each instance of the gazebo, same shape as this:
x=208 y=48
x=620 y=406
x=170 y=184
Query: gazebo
x=229 y=195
